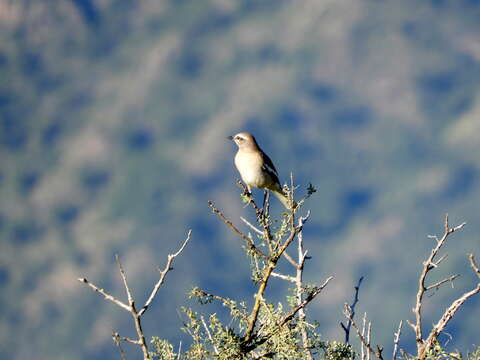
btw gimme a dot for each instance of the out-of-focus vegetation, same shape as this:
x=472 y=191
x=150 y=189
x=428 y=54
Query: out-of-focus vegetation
x=113 y=115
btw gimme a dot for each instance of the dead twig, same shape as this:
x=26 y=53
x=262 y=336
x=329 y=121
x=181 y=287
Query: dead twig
x=205 y=327
x=116 y=340
x=396 y=340
x=449 y=313
x=302 y=256
x=362 y=347
x=474 y=265
x=347 y=327
x=364 y=340
x=428 y=265
x=106 y=295
x=163 y=273
x=249 y=242
x=441 y=282
x=305 y=302
x=131 y=308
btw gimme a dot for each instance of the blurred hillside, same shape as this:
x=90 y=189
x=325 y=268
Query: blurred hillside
x=113 y=121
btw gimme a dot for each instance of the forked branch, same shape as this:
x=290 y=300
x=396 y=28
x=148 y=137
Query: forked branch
x=131 y=308
x=425 y=345
x=361 y=335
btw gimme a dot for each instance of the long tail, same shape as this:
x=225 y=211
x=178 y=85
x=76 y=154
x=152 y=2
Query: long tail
x=284 y=199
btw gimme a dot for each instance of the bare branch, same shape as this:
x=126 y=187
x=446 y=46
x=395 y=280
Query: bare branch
x=284 y=277
x=272 y=263
x=225 y=301
x=290 y=259
x=302 y=255
x=428 y=265
x=362 y=347
x=305 y=302
x=423 y=346
x=124 y=278
x=412 y=325
x=369 y=334
x=354 y=303
x=136 y=315
x=179 y=353
x=106 y=295
x=208 y=333
x=248 y=241
x=163 y=273
x=117 y=342
x=436 y=263
x=262 y=214
x=396 y=340
x=251 y=226
x=441 y=282
x=365 y=341
x=116 y=337
x=446 y=317
x=473 y=264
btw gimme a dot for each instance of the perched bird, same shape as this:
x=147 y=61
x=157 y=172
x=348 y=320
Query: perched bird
x=256 y=168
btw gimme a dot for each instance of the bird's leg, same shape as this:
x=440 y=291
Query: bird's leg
x=247 y=195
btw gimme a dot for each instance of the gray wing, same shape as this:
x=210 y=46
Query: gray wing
x=270 y=168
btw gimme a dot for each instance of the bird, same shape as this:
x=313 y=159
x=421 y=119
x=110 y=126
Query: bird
x=256 y=168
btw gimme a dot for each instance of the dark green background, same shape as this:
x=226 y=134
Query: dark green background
x=113 y=118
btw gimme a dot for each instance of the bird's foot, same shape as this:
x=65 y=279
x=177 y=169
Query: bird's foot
x=246 y=197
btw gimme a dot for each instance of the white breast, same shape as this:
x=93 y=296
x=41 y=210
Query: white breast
x=249 y=166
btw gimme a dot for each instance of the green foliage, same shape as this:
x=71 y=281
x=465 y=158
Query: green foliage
x=334 y=350
x=267 y=330
x=162 y=349
x=438 y=352
x=475 y=354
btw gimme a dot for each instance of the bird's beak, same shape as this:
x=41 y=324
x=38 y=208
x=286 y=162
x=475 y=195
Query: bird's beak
x=230 y=137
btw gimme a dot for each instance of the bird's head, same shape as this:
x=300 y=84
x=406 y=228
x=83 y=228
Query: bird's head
x=243 y=139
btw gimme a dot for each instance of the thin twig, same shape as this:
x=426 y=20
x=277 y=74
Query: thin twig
x=208 y=334
x=179 y=353
x=365 y=340
x=305 y=302
x=362 y=347
x=163 y=273
x=369 y=334
x=116 y=340
x=225 y=301
x=354 y=303
x=245 y=238
x=473 y=264
x=251 y=226
x=124 y=278
x=106 y=295
x=396 y=340
x=136 y=315
x=446 y=317
x=290 y=259
x=428 y=265
x=302 y=255
x=133 y=311
x=441 y=282
x=262 y=214
x=116 y=336
x=284 y=277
